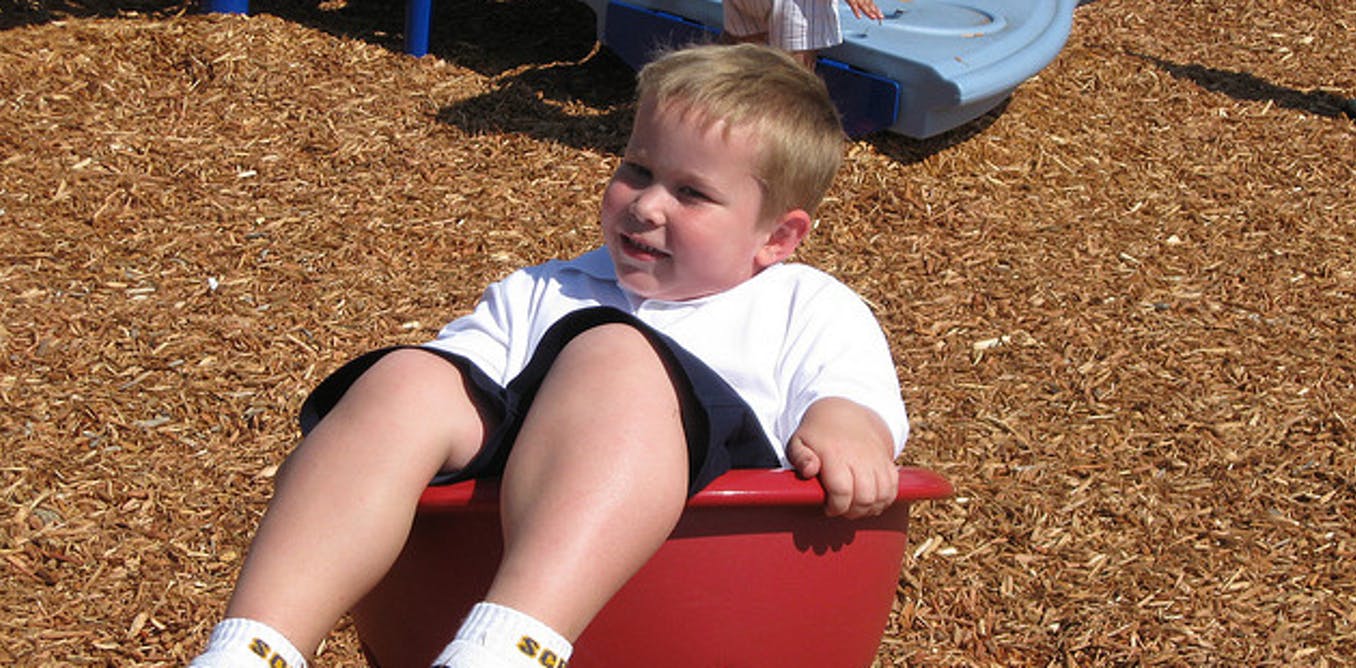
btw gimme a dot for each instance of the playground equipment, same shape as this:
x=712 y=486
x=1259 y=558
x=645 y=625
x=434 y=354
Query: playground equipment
x=753 y=575
x=928 y=67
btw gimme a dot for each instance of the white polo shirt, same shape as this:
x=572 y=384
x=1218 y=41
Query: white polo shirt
x=787 y=337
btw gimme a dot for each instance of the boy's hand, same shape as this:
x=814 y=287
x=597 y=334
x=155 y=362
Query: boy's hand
x=850 y=450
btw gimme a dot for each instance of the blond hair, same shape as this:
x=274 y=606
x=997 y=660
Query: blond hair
x=797 y=129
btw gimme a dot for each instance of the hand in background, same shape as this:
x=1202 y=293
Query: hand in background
x=865 y=8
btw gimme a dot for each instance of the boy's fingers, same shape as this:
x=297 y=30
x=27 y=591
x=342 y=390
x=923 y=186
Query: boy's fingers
x=802 y=459
x=873 y=494
x=887 y=488
x=866 y=498
x=838 y=490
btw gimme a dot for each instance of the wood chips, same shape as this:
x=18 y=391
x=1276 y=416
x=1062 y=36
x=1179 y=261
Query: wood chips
x=1122 y=307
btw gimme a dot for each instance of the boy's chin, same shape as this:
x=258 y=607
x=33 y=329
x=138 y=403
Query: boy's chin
x=646 y=286
x=643 y=289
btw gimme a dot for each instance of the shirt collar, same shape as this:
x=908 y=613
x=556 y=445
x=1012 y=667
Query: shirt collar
x=596 y=264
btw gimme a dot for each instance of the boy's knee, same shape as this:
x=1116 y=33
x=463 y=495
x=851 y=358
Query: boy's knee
x=427 y=398
x=410 y=378
x=614 y=354
x=403 y=362
x=612 y=339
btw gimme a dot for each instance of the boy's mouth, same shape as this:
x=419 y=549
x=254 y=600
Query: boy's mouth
x=635 y=247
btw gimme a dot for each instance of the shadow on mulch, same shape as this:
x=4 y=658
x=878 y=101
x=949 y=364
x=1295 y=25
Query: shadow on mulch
x=485 y=36
x=529 y=103
x=908 y=151
x=18 y=13
x=543 y=55
x=1245 y=86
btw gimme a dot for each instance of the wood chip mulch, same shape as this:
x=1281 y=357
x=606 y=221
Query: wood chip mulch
x=1123 y=307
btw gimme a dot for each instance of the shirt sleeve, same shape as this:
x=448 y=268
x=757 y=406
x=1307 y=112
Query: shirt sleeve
x=483 y=335
x=839 y=350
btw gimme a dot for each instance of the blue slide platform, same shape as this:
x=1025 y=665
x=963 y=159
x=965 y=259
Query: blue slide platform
x=928 y=67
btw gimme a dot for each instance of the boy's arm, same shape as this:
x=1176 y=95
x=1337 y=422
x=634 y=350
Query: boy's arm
x=850 y=449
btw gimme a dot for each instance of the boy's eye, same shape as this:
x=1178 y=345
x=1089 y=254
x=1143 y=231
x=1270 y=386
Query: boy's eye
x=633 y=172
x=693 y=193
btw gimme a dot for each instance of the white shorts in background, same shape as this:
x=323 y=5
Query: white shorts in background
x=791 y=25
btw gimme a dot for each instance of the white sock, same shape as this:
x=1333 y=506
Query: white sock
x=245 y=643
x=494 y=636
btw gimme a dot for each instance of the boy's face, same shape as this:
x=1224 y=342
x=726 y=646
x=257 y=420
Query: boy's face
x=681 y=217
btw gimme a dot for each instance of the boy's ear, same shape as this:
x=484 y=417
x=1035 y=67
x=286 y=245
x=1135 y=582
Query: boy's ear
x=785 y=236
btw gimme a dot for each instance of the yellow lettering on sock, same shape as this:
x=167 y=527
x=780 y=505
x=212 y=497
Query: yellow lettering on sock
x=548 y=659
x=528 y=646
x=263 y=651
x=260 y=648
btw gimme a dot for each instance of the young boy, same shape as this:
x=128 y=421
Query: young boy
x=605 y=389
x=799 y=27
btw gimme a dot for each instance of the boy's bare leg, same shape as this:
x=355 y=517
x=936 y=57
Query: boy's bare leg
x=346 y=497
x=596 y=481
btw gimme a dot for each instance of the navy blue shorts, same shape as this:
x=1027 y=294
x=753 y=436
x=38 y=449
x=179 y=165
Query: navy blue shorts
x=722 y=431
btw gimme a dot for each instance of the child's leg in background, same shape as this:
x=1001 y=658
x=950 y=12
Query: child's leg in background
x=799 y=27
x=596 y=481
x=346 y=497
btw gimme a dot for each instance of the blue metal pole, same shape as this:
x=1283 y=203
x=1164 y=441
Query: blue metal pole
x=226 y=6
x=418 y=15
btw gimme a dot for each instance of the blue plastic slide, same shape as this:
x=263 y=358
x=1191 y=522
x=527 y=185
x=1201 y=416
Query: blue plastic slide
x=928 y=67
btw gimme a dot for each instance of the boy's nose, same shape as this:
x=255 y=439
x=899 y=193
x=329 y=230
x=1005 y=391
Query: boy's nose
x=647 y=206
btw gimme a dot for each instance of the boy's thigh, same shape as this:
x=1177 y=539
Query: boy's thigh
x=720 y=429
